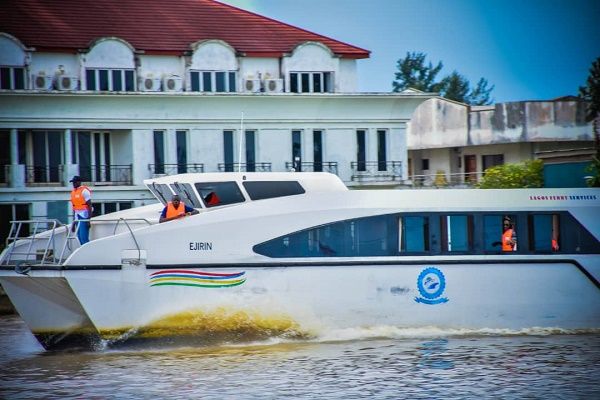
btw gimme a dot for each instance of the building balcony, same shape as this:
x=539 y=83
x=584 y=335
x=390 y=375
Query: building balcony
x=442 y=179
x=376 y=171
x=43 y=175
x=326 y=166
x=245 y=167
x=174 y=169
x=105 y=175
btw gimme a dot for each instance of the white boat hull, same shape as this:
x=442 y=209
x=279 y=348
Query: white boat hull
x=299 y=301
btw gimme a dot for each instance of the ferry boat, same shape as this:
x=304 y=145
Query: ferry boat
x=296 y=254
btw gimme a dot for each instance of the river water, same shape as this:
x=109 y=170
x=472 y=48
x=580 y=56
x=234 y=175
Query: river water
x=385 y=363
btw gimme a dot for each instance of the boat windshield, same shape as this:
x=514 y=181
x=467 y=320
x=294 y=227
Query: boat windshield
x=162 y=192
x=186 y=193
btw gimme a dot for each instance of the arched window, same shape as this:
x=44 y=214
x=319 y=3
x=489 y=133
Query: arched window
x=311 y=69
x=213 y=68
x=110 y=66
x=12 y=63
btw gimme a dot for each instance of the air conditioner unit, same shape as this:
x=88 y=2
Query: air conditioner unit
x=172 y=83
x=252 y=85
x=65 y=82
x=149 y=84
x=42 y=81
x=273 y=85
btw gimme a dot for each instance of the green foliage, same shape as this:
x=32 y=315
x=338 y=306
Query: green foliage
x=513 y=176
x=591 y=92
x=594 y=169
x=414 y=72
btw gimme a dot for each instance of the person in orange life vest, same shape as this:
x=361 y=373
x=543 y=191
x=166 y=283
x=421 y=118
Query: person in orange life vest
x=81 y=200
x=509 y=237
x=176 y=209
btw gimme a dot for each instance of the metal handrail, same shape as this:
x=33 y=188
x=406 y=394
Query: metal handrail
x=13 y=236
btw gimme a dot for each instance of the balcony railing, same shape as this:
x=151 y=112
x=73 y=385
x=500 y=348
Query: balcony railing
x=107 y=174
x=173 y=169
x=326 y=166
x=376 y=171
x=442 y=179
x=43 y=175
x=246 y=167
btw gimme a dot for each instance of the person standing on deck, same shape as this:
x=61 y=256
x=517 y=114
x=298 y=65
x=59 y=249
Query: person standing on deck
x=176 y=209
x=81 y=200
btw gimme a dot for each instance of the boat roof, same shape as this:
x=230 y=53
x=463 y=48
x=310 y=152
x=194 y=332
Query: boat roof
x=310 y=181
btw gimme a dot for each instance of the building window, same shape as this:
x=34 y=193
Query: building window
x=181 y=140
x=250 y=151
x=310 y=82
x=213 y=81
x=297 y=150
x=492 y=160
x=381 y=150
x=112 y=80
x=92 y=152
x=228 y=150
x=425 y=164
x=318 y=151
x=361 y=150
x=159 y=152
x=12 y=78
x=110 y=207
x=46 y=157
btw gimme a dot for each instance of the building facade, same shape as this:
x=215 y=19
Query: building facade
x=451 y=143
x=88 y=93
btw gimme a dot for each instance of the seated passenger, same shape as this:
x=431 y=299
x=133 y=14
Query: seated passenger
x=175 y=209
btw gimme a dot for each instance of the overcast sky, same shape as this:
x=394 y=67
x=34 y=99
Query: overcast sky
x=529 y=49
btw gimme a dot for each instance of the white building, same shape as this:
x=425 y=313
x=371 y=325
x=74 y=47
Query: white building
x=453 y=143
x=120 y=90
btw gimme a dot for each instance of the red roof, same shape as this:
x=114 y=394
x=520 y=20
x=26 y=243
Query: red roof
x=154 y=26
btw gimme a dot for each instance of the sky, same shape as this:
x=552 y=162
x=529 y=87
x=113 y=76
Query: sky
x=527 y=49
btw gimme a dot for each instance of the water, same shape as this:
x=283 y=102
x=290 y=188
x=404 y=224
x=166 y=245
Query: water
x=385 y=363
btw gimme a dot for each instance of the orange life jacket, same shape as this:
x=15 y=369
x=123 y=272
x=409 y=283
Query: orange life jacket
x=77 y=200
x=507 y=237
x=174 y=212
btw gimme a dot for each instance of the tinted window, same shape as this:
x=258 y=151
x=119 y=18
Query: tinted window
x=219 y=193
x=414 y=234
x=493 y=229
x=267 y=190
x=542 y=233
x=372 y=236
x=456 y=232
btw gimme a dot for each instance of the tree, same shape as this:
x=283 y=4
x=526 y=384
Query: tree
x=591 y=94
x=414 y=72
x=513 y=176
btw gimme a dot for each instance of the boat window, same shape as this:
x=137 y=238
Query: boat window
x=162 y=192
x=413 y=234
x=573 y=237
x=186 y=193
x=456 y=232
x=219 y=193
x=269 y=189
x=372 y=236
x=500 y=233
x=544 y=232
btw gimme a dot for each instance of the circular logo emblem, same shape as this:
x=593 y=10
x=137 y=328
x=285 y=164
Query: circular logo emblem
x=431 y=284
